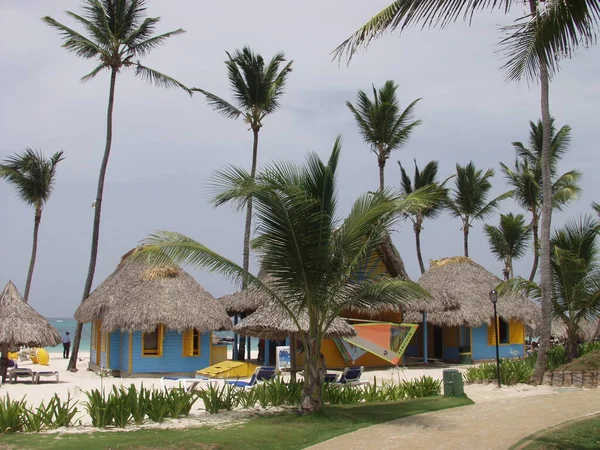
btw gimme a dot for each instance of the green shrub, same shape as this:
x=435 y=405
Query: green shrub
x=425 y=386
x=53 y=415
x=216 y=398
x=11 y=414
x=294 y=393
x=276 y=390
x=119 y=406
x=157 y=406
x=180 y=402
x=556 y=357
x=587 y=347
x=98 y=407
x=247 y=398
x=138 y=402
x=512 y=371
x=32 y=421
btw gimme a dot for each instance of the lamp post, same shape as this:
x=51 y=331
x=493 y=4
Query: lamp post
x=494 y=299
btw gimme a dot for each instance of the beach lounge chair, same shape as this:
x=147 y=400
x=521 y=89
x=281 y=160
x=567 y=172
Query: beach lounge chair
x=14 y=374
x=330 y=377
x=261 y=373
x=37 y=375
x=351 y=376
x=187 y=384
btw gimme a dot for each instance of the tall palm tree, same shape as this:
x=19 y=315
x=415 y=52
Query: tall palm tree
x=427 y=177
x=118 y=32
x=509 y=240
x=257 y=88
x=534 y=45
x=525 y=178
x=575 y=278
x=468 y=198
x=33 y=176
x=382 y=123
x=307 y=251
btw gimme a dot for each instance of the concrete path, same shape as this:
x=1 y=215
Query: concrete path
x=489 y=425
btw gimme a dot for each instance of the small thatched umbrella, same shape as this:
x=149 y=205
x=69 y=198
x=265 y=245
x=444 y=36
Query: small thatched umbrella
x=460 y=289
x=138 y=295
x=20 y=324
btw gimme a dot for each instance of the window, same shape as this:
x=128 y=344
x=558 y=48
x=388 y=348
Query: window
x=191 y=342
x=503 y=332
x=503 y=327
x=152 y=342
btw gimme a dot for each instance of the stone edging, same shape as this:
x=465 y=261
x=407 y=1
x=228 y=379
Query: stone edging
x=579 y=379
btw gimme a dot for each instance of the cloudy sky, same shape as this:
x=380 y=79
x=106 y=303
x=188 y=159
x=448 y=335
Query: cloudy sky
x=166 y=145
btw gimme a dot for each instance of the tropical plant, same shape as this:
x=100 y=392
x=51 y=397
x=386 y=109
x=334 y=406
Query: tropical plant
x=427 y=177
x=509 y=240
x=525 y=178
x=33 y=176
x=310 y=254
x=534 y=45
x=575 y=278
x=257 y=88
x=118 y=33
x=468 y=198
x=382 y=123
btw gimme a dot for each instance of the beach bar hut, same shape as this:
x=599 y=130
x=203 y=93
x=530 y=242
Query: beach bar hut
x=20 y=325
x=460 y=319
x=149 y=319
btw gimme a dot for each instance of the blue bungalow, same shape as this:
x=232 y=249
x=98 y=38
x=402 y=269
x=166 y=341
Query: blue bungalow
x=459 y=323
x=152 y=320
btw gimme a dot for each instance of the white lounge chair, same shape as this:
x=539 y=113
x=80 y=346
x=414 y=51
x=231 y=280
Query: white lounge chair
x=37 y=375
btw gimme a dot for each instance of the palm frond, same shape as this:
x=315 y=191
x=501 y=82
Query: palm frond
x=143 y=48
x=94 y=72
x=159 y=79
x=220 y=105
x=75 y=42
x=233 y=184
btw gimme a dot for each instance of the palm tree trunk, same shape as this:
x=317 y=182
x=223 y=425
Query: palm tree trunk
x=293 y=366
x=536 y=246
x=36 y=228
x=466 y=237
x=97 y=211
x=314 y=376
x=381 y=174
x=545 y=269
x=247 y=230
x=571 y=350
x=417 y=228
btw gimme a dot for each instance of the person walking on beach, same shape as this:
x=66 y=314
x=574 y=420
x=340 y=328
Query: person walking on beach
x=66 y=345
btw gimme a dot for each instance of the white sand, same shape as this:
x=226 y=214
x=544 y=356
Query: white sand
x=75 y=385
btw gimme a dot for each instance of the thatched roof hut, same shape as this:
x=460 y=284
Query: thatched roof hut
x=460 y=289
x=588 y=330
x=139 y=295
x=272 y=322
x=245 y=301
x=20 y=324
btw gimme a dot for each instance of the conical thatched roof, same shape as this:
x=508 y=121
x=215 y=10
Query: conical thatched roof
x=588 y=329
x=460 y=289
x=138 y=295
x=273 y=322
x=245 y=301
x=20 y=324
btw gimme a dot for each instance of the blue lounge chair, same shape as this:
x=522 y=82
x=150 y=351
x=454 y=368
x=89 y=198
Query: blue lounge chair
x=187 y=384
x=330 y=378
x=351 y=376
x=262 y=373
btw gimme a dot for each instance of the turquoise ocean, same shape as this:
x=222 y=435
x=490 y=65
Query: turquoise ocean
x=64 y=324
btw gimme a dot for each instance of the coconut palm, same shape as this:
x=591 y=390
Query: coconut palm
x=427 y=177
x=309 y=254
x=534 y=45
x=575 y=278
x=382 y=123
x=118 y=32
x=509 y=240
x=525 y=178
x=257 y=88
x=33 y=176
x=468 y=198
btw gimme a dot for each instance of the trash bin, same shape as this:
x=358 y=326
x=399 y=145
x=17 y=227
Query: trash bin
x=457 y=384
x=449 y=382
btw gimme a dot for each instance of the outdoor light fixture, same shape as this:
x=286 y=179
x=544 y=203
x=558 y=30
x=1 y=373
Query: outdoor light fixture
x=494 y=299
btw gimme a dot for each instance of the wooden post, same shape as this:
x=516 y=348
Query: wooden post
x=293 y=357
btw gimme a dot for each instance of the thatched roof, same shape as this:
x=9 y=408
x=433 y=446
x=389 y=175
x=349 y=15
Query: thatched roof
x=20 y=324
x=273 y=322
x=245 y=301
x=460 y=289
x=588 y=330
x=138 y=295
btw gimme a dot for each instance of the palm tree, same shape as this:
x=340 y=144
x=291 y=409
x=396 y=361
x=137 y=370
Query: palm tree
x=509 y=240
x=33 y=176
x=257 y=89
x=535 y=44
x=575 y=278
x=307 y=251
x=118 y=33
x=423 y=178
x=469 y=198
x=526 y=178
x=382 y=123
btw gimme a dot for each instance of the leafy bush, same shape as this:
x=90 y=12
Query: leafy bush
x=247 y=399
x=138 y=402
x=98 y=407
x=216 y=398
x=556 y=357
x=157 y=406
x=588 y=347
x=512 y=371
x=421 y=387
x=53 y=415
x=180 y=402
x=11 y=414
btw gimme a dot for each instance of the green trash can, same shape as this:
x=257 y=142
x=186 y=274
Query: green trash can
x=457 y=384
x=448 y=377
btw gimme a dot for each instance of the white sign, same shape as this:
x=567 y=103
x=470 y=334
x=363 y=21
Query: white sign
x=282 y=358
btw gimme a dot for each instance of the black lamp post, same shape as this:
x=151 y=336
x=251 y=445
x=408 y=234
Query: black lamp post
x=494 y=299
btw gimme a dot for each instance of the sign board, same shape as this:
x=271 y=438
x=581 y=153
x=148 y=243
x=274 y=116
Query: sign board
x=282 y=358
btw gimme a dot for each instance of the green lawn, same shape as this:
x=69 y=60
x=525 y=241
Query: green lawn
x=282 y=431
x=583 y=434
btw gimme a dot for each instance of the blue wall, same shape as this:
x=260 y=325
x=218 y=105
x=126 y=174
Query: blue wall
x=481 y=350
x=172 y=359
x=450 y=354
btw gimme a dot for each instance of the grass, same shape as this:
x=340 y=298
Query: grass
x=284 y=431
x=582 y=434
x=589 y=361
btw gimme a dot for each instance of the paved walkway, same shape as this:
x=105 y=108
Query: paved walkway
x=489 y=425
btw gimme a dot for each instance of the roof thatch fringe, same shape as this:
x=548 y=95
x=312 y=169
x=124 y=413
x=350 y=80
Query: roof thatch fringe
x=138 y=295
x=273 y=322
x=460 y=289
x=588 y=329
x=20 y=324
